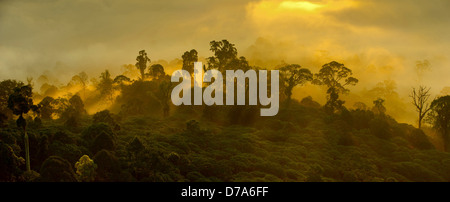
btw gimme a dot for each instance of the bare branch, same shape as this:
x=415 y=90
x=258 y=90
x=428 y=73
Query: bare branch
x=420 y=98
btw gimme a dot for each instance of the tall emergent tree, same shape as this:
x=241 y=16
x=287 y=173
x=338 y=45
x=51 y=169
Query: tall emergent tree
x=225 y=57
x=20 y=102
x=105 y=85
x=293 y=75
x=336 y=77
x=420 y=101
x=141 y=63
x=439 y=117
x=224 y=54
x=189 y=57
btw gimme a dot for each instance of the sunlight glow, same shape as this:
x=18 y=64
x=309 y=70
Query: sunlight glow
x=303 y=5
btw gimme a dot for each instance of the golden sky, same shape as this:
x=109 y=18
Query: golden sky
x=378 y=39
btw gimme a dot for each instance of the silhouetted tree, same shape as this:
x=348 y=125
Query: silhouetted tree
x=156 y=72
x=46 y=107
x=105 y=85
x=73 y=112
x=241 y=63
x=224 y=54
x=439 y=117
x=293 y=75
x=138 y=98
x=21 y=102
x=60 y=106
x=420 y=101
x=77 y=104
x=225 y=57
x=121 y=79
x=336 y=77
x=141 y=63
x=378 y=107
x=189 y=57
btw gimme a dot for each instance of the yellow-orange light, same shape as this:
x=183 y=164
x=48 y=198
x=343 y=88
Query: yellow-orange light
x=303 y=5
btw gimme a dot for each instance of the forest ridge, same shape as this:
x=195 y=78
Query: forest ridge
x=136 y=136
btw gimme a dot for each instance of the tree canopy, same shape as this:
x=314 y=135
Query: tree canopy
x=293 y=75
x=336 y=77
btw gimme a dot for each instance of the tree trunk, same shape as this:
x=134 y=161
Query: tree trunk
x=288 y=102
x=142 y=73
x=420 y=121
x=289 y=95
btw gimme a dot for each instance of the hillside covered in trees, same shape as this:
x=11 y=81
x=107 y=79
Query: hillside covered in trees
x=125 y=128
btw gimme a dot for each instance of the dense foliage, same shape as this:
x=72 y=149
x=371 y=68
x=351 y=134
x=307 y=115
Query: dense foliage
x=302 y=143
x=141 y=136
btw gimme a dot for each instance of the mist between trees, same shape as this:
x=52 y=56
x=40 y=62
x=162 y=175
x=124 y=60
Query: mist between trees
x=125 y=128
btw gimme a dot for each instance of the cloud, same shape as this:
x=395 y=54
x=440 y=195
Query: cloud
x=92 y=35
x=386 y=36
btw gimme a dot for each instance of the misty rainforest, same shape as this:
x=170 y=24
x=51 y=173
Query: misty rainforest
x=363 y=91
